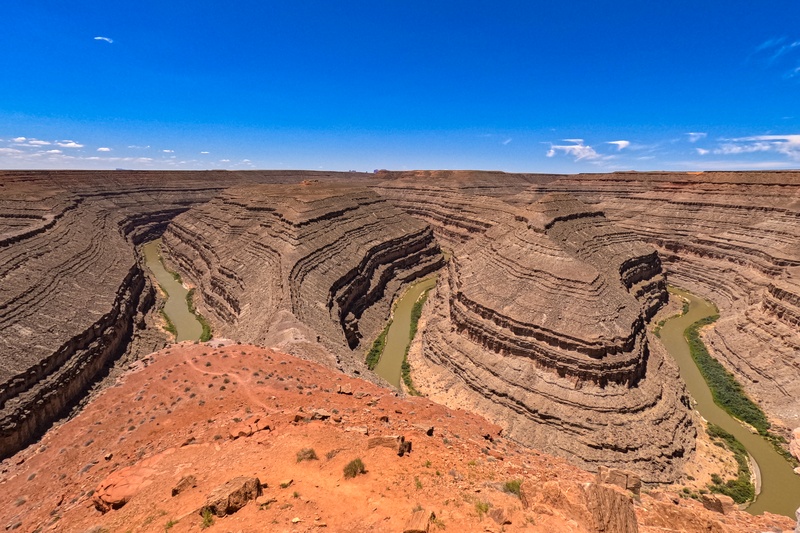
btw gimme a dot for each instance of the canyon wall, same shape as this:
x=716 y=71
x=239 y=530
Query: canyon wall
x=74 y=298
x=539 y=324
x=311 y=268
x=733 y=237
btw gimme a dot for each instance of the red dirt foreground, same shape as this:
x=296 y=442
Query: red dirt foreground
x=241 y=438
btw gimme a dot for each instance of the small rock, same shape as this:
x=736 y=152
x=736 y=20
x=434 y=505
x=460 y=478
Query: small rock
x=295 y=520
x=286 y=483
x=419 y=522
x=499 y=516
x=186 y=482
x=320 y=414
x=344 y=389
x=232 y=496
x=384 y=419
x=108 y=456
x=358 y=429
x=427 y=429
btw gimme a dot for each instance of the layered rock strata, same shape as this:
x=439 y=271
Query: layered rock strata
x=312 y=268
x=540 y=325
x=733 y=238
x=74 y=298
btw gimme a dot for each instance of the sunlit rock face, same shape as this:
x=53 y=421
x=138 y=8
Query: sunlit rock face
x=312 y=268
x=540 y=324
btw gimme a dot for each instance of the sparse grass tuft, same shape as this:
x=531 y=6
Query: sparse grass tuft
x=482 y=508
x=513 y=487
x=354 y=468
x=208 y=518
x=307 y=454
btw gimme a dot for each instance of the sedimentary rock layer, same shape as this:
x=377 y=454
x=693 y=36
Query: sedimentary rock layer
x=540 y=325
x=304 y=267
x=732 y=237
x=73 y=295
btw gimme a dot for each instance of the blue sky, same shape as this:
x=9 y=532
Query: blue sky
x=581 y=86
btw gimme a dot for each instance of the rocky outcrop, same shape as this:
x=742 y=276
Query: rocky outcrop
x=733 y=238
x=232 y=496
x=312 y=268
x=74 y=299
x=540 y=326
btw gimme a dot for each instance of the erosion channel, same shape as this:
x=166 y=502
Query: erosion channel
x=780 y=487
x=398 y=337
x=176 y=307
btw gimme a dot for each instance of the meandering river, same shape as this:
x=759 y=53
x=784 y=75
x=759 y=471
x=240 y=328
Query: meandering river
x=780 y=486
x=397 y=339
x=187 y=325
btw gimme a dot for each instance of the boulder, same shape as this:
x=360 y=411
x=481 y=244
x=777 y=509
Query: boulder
x=232 y=496
x=718 y=503
x=611 y=510
x=622 y=478
x=119 y=487
x=420 y=522
x=499 y=516
x=186 y=482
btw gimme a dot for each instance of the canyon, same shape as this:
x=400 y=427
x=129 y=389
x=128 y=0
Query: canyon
x=540 y=321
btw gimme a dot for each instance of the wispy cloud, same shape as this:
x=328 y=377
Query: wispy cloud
x=504 y=143
x=578 y=149
x=136 y=147
x=205 y=152
x=702 y=151
x=788 y=145
x=168 y=151
x=620 y=144
x=104 y=149
x=106 y=39
x=779 y=52
x=695 y=136
x=68 y=144
x=54 y=152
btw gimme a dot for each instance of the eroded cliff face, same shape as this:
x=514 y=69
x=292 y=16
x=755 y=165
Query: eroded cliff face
x=734 y=238
x=74 y=299
x=311 y=268
x=540 y=325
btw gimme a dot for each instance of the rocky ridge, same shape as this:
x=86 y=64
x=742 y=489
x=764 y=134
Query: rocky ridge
x=732 y=237
x=540 y=325
x=311 y=268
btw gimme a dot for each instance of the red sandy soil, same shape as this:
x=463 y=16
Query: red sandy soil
x=173 y=413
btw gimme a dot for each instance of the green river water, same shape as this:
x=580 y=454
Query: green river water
x=189 y=328
x=389 y=366
x=780 y=486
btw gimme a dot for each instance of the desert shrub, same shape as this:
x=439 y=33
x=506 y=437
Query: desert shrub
x=354 y=468
x=307 y=454
x=513 y=487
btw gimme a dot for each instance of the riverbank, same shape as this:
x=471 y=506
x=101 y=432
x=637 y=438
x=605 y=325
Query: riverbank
x=178 y=313
x=391 y=347
x=780 y=486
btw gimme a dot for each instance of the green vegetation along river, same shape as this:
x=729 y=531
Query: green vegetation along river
x=185 y=322
x=780 y=486
x=399 y=335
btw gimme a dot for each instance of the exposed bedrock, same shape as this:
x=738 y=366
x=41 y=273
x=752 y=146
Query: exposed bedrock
x=539 y=324
x=74 y=299
x=732 y=237
x=312 y=268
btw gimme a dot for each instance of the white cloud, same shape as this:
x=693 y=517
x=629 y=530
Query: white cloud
x=224 y=160
x=205 y=152
x=505 y=143
x=702 y=151
x=135 y=147
x=620 y=144
x=69 y=144
x=578 y=150
x=106 y=39
x=19 y=139
x=37 y=142
x=696 y=136
x=9 y=151
x=103 y=149
x=168 y=151
x=788 y=145
x=54 y=152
